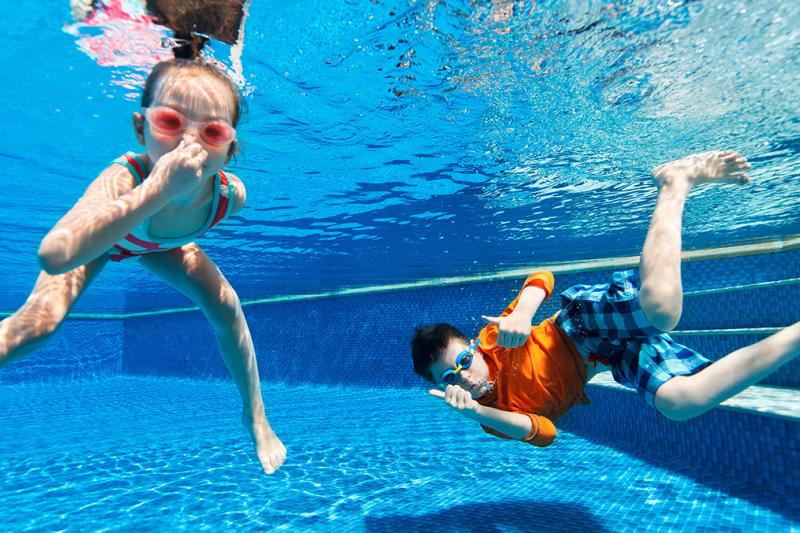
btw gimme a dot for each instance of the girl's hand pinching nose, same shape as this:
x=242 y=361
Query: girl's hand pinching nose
x=181 y=170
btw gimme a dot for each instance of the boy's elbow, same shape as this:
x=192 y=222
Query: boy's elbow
x=542 y=442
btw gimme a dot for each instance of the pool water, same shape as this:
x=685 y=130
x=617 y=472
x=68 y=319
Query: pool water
x=382 y=134
x=141 y=453
x=392 y=141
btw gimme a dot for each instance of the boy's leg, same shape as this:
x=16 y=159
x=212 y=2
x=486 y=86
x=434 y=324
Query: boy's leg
x=192 y=272
x=661 y=293
x=33 y=324
x=685 y=397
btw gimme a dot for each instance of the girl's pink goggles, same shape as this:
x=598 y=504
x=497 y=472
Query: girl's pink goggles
x=172 y=122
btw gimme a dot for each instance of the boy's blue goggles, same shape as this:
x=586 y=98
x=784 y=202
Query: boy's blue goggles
x=463 y=361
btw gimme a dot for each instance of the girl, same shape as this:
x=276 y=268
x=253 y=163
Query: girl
x=151 y=207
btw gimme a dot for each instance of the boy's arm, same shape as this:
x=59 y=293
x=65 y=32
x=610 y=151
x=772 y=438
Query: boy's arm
x=514 y=325
x=536 y=429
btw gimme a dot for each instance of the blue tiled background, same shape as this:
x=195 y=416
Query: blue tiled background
x=80 y=349
x=363 y=340
x=760 y=449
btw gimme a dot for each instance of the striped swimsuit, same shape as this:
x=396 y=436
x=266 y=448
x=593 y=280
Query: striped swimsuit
x=139 y=241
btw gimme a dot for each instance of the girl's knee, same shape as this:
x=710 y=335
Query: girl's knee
x=27 y=330
x=224 y=311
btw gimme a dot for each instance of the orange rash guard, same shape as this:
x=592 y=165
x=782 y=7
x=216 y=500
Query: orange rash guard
x=542 y=379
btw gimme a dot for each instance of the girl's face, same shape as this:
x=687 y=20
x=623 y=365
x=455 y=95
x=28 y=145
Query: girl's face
x=199 y=99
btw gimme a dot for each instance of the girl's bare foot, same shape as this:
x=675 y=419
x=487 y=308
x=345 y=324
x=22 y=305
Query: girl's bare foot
x=717 y=166
x=270 y=450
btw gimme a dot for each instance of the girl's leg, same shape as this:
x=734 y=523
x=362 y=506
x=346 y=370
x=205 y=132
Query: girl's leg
x=661 y=293
x=685 y=397
x=192 y=272
x=33 y=324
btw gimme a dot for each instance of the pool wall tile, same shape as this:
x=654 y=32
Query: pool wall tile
x=350 y=339
x=364 y=340
x=760 y=449
x=81 y=349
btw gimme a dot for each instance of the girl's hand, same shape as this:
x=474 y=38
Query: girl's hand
x=457 y=398
x=181 y=170
x=513 y=329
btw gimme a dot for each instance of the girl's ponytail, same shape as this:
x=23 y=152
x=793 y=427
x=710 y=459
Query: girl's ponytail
x=188 y=45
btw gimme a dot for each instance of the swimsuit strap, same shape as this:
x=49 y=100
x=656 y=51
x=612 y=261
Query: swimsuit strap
x=134 y=164
x=226 y=199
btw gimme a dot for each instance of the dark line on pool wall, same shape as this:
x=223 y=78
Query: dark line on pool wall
x=774 y=246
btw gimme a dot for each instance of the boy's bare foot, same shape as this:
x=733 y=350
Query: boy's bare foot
x=270 y=450
x=717 y=166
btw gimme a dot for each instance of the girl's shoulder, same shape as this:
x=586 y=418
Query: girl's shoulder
x=137 y=164
x=239 y=191
x=112 y=182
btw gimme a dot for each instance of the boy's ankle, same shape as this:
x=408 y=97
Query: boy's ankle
x=254 y=417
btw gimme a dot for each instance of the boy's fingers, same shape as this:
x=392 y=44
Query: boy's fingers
x=436 y=392
x=503 y=340
x=462 y=400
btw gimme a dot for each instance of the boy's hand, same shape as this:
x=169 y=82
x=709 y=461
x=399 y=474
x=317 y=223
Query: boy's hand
x=457 y=398
x=513 y=329
x=181 y=170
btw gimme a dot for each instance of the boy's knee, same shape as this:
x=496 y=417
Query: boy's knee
x=676 y=414
x=677 y=400
x=661 y=306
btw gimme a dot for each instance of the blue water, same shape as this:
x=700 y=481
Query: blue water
x=386 y=141
x=133 y=453
x=398 y=140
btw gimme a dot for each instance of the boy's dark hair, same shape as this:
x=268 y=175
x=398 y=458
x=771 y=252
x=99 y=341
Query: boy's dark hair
x=188 y=65
x=429 y=343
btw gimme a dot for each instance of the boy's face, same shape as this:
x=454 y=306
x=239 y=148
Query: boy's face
x=474 y=379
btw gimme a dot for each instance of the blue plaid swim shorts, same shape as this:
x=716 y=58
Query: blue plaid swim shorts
x=607 y=321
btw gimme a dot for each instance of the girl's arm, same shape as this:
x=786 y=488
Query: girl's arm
x=110 y=208
x=113 y=205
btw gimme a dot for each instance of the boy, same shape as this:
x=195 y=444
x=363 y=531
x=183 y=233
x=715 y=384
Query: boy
x=515 y=380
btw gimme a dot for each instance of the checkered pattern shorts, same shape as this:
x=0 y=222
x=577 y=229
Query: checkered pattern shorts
x=606 y=320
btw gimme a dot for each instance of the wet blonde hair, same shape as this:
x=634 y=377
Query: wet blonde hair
x=192 y=67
